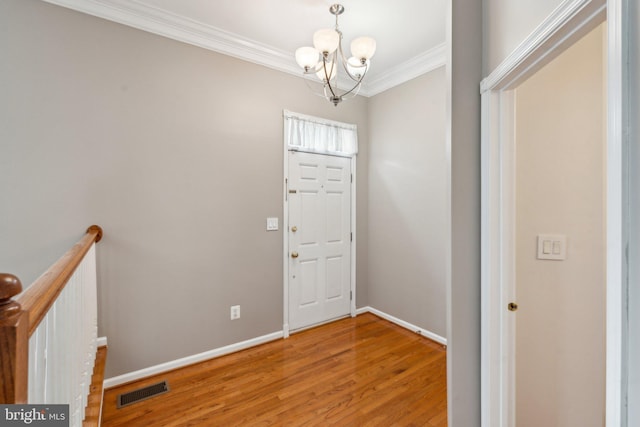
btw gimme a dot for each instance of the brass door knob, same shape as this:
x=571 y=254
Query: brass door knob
x=294 y=254
x=513 y=306
x=294 y=228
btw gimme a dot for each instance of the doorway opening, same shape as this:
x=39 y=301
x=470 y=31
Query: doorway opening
x=319 y=217
x=558 y=339
x=499 y=204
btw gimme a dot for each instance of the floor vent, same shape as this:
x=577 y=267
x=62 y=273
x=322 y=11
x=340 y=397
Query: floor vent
x=148 y=392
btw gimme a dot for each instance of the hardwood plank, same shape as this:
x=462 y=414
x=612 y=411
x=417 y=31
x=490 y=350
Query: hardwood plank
x=362 y=371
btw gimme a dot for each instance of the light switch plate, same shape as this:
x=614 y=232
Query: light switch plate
x=272 y=224
x=552 y=246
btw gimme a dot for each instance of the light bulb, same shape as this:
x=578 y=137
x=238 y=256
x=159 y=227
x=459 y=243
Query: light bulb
x=356 y=68
x=306 y=57
x=326 y=41
x=363 y=47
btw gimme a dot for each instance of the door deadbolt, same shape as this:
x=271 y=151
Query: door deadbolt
x=294 y=254
x=513 y=306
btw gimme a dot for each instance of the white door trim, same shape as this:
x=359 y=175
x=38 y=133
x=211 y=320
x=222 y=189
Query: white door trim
x=285 y=239
x=497 y=258
x=570 y=21
x=618 y=202
x=354 y=235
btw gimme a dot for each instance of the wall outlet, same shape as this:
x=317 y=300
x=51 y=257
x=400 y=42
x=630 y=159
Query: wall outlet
x=235 y=312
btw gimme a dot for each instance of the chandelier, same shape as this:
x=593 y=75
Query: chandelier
x=327 y=57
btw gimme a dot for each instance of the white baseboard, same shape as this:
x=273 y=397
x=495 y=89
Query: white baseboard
x=189 y=360
x=413 y=328
x=362 y=310
x=101 y=342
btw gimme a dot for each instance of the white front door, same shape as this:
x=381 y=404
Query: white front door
x=319 y=191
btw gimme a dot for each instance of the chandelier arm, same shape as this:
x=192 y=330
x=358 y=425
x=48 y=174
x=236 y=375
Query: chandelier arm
x=345 y=61
x=327 y=76
x=353 y=92
x=351 y=76
x=315 y=90
x=327 y=95
x=357 y=86
x=344 y=58
x=333 y=91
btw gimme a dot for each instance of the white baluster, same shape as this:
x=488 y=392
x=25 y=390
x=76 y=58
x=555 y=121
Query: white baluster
x=62 y=349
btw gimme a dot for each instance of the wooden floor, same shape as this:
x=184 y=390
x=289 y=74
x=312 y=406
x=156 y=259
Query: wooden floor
x=354 y=372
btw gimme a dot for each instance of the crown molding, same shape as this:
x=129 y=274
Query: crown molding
x=136 y=14
x=550 y=34
x=408 y=70
x=141 y=16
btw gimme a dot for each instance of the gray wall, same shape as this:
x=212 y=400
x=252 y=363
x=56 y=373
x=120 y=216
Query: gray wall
x=407 y=195
x=560 y=189
x=507 y=23
x=176 y=152
x=464 y=71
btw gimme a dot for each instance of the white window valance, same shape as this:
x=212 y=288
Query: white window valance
x=317 y=135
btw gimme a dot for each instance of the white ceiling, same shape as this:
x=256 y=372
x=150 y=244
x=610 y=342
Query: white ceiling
x=410 y=34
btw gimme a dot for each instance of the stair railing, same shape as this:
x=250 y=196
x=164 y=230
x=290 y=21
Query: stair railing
x=48 y=333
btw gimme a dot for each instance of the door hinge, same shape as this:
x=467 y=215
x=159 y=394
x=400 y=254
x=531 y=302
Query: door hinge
x=352 y=236
x=351 y=295
x=352 y=178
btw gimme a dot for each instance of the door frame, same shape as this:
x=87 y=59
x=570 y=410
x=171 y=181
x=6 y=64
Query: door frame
x=568 y=23
x=285 y=237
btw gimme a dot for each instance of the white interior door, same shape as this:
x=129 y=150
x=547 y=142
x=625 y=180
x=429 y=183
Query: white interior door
x=319 y=191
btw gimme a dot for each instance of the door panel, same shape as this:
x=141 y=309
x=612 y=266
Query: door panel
x=310 y=218
x=308 y=282
x=334 y=278
x=320 y=214
x=334 y=218
x=335 y=174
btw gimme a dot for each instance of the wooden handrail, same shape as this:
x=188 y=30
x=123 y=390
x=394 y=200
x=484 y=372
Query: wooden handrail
x=14 y=355
x=20 y=317
x=38 y=298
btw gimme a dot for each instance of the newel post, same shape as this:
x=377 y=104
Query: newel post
x=14 y=343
